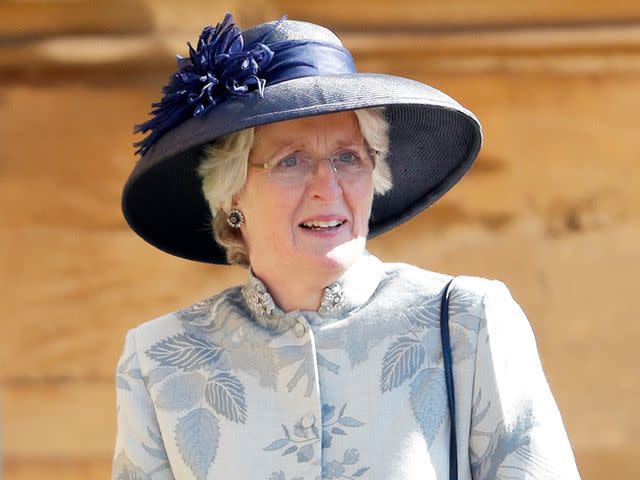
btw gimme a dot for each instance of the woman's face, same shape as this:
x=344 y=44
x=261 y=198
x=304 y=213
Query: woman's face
x=278 y=216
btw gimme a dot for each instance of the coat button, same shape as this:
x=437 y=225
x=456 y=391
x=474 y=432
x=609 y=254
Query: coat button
x=307 y=421
x=300 y=329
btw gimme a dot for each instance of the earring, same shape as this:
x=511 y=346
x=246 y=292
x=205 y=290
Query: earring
x=235 y=218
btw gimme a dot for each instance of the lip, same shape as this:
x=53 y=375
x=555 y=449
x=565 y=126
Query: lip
x=324 y=218
x=334 y=232
x=325 y=233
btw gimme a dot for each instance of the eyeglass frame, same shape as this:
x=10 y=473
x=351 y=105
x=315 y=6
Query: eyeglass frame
x=372 y=152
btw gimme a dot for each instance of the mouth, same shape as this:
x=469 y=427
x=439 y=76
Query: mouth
x=319 y=225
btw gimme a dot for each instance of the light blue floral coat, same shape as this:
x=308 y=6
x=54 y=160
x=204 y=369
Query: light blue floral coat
x=233 y=387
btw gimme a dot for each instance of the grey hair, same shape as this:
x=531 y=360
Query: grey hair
x=223 y=171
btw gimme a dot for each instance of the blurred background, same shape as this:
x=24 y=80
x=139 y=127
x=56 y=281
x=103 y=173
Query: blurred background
x=552 y=206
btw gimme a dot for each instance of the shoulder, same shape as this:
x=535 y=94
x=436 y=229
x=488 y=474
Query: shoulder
x=477 y=304
x=478 y=296
x=203 y=315
x=427 y=280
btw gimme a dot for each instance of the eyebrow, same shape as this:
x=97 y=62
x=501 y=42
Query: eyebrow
x=288 y=145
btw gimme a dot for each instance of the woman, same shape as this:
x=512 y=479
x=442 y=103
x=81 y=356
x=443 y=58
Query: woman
x=269 y=150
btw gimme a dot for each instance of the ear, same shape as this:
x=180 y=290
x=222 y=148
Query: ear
x=235 y=199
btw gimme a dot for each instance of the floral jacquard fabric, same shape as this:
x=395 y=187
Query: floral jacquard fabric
x=235 y=387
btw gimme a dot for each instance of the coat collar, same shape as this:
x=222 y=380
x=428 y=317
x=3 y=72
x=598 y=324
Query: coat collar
x=349 y=292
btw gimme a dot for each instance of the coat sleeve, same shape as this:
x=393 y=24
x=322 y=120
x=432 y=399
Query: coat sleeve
x=139 y=449
x=516 y=428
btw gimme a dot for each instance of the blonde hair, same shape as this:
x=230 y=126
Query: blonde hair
x=223 y=171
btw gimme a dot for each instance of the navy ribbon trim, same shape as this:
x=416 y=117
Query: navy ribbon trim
x=222 y=67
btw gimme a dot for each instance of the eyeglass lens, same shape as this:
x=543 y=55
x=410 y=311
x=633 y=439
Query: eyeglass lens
x=348 y=163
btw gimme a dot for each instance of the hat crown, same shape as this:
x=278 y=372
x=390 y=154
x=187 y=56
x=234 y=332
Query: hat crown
x=291 y=30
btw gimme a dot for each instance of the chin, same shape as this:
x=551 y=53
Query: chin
x=338 y=258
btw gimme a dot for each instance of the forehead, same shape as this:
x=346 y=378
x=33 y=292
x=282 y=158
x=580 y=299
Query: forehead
x=335 y=127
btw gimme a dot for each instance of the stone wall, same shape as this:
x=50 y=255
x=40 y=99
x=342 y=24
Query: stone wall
x=552 y=206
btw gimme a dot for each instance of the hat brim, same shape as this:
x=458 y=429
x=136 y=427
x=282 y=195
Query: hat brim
x=433 y=142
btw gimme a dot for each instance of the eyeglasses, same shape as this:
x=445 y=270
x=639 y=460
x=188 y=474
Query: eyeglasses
x=349 y=163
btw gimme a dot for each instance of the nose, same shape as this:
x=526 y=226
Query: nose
x=324 y=182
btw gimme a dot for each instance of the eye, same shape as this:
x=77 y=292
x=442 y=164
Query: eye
x=347 y=157
x=289 y=161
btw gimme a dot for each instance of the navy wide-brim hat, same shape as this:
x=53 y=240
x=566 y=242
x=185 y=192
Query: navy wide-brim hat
x=279 y=71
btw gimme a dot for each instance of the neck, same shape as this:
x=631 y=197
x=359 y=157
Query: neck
x=296 y=292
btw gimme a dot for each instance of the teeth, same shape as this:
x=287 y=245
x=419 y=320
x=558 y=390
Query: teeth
x=319 y=224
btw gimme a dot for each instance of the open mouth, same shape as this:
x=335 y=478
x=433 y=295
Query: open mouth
x=319 y=225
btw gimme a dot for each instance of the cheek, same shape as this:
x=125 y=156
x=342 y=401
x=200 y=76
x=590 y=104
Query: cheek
x=269 y=214
x=360 y=201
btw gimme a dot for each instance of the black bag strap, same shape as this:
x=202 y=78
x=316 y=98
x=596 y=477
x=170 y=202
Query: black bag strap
x=448 y=374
